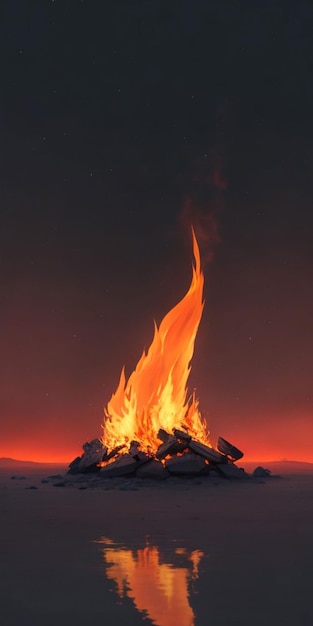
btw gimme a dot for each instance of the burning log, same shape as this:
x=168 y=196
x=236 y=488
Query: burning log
x=206 y=452
x=166 y=448
x=163 y=435
x=113 y=453
x=184 y=456
x=187 y=464
x=152 y=469
x=94 y=452
x=180 y=434
x=228 y=449
x=171 y=446
x=125 y=464
x=134 y=447
x=137 y=454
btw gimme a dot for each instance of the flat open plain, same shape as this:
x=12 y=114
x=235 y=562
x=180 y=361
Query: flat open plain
x=252 y=541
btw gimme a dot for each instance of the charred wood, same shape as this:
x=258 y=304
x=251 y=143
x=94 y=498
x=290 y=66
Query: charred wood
x=93 y=454
x=172 y=446
x=153 y=469
x=187 y=464
x=113 y=453
x=206 y=452
x=228 y=449
x=181 y=434
x=134 y=447
x=163 y=435
x=124 y=465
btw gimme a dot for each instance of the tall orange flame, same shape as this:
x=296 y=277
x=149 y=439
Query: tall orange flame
x=155 y=394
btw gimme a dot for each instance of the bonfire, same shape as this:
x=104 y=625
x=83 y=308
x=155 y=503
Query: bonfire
x=152 y=425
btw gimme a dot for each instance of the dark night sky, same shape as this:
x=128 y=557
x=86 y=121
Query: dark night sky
x=121 y=123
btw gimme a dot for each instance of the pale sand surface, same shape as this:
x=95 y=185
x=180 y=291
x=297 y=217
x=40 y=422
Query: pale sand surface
x=256 y=539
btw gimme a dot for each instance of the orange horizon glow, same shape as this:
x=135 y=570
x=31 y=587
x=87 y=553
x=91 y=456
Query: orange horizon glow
x=251 y=455
x=37 y=456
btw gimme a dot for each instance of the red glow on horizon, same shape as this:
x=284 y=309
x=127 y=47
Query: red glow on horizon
x=265 y=438
x=252 y=453
x=36 y=454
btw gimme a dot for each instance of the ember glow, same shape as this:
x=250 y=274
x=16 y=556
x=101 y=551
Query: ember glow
x=155 y=395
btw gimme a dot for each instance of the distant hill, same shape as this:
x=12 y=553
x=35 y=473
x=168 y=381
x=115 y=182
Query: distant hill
x=7 y=462
x=279 y=467
x=276 y=467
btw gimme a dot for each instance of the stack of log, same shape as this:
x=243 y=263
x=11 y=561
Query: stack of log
x=178 y=454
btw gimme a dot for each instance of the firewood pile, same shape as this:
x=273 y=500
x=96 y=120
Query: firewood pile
x=178 y=454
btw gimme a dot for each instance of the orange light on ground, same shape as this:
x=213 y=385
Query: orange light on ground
x=160 y=590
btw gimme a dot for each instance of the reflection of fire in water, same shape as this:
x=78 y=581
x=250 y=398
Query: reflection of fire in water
x=160 y=590
x=155 y=394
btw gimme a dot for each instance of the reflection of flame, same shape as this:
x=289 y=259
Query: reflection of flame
x=160 y=590
x=155 y=395
x=195 y=558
